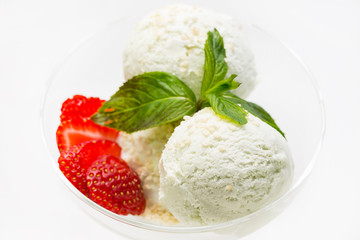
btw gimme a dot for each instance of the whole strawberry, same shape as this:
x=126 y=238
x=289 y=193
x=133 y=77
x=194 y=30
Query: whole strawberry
x=115 y=186
x=75 y=161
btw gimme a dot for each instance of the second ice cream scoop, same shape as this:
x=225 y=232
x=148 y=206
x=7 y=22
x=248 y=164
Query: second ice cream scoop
x=213 y=170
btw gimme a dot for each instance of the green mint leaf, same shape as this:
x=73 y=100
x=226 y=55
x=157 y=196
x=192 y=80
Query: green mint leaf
x=224 y=85
x=215 y=89
x=214 y=84
x=148 y=100
x=215 y=66
x=254 y=109
x=227 y=108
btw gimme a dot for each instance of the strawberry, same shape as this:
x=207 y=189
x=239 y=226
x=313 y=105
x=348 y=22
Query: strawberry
x=75 y=131
x=75 y=161
x=79 y=107
x=115 y=186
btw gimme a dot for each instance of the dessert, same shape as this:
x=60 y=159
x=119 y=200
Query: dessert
x=221 y=157
x=212 y=171
x=171 y=39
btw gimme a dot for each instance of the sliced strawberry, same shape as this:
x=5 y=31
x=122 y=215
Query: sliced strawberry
x=115 y=186
x=79 y=107
x=75 y=131
x=75 y=161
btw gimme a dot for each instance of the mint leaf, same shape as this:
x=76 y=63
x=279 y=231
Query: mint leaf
x=254 y=109
x=227 y=108
x=215 y=67
x=214 y=85
x=224 y=85
x=215 y=89
x=148 y=100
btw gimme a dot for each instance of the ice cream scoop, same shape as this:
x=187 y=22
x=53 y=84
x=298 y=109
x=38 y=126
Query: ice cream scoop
x=213 y=170
x=171 y=39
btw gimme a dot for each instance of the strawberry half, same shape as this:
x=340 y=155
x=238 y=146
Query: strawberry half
x=76 y=131
x=75 y=161
x=115 y=186
x=79 y=107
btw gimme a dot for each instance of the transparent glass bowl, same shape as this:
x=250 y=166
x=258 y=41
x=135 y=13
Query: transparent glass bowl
x=286 y=90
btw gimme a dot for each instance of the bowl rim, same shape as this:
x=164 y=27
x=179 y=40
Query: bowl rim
x=179 y=228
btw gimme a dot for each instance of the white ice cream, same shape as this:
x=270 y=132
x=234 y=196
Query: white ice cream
x=213 y=170
x=172 y=39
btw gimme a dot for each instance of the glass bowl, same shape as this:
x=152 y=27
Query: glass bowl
x=286 y=89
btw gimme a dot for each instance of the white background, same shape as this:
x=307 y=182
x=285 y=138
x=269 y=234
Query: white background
x=35 y=35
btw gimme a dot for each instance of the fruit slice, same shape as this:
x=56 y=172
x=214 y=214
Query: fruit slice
x=76 y=131
x=79 y=107
x=115 y=186
x=75 y=161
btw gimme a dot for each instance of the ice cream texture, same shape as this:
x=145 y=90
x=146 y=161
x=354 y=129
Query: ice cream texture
x=171 y=39
x=213 y=170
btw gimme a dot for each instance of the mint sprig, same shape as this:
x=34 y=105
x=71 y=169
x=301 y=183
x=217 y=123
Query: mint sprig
x=156 y=98
x=215 y=66
x=216 y=91
x=147 y=100
x=214 y=85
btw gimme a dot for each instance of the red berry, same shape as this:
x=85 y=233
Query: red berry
x=115 y=186
x=75 y=131
x=79 y=107
x=75 y=161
